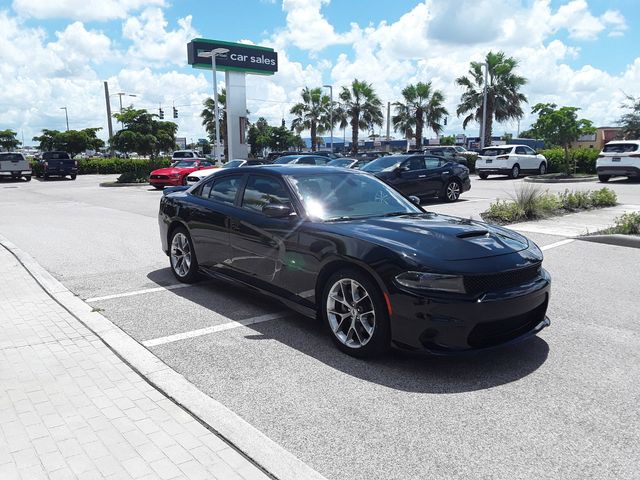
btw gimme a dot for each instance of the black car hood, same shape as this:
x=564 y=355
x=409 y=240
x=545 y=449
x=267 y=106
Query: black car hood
x=432 y=235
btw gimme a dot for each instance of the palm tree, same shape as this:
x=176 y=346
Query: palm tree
x=403 y=121
x=361 y=109
x=424 y=104
x=503 y=96
x=208 y=115
x=312 y=114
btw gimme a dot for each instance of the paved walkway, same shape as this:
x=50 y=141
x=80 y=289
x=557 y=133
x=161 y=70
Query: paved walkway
x=70 y=408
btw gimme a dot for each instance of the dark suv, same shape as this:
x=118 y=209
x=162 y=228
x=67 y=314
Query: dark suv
x=58 y=164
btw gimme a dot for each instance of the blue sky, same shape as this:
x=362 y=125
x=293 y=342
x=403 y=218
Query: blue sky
x=574 y=52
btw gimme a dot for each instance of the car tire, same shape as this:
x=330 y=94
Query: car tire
x=358 y=326
x=604 y=178
x=483 y=176
x=73 y=177
x=27 y=178
x=515 y=171
x=452 y=191
x=542 y=169
x=45 y=176
x=182 y=256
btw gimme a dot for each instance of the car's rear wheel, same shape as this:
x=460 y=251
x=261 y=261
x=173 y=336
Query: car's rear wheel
x=483 y=176
x=452 y=191
x=604 y=178
x=353 y=310
x=515 y=171
x=27 y=178
x=542 y=169
x=183 y=256
x=73 y=177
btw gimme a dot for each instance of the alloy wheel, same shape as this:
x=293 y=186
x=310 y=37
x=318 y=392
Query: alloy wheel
x=180 y=254
x=542 y=169
x=515 y=171
x=351 y=313
x=453 y=191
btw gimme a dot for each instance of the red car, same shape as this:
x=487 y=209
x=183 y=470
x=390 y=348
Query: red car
x=176 y=174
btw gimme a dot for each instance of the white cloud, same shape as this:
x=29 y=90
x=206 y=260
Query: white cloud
x=84 y=10
x=576 y=17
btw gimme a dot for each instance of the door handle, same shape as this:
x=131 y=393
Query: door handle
x=421 y=176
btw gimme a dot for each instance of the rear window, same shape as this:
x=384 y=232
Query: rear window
x=10 y=156
x=56 y=156
x=183 y=155
x=620 y=147
x=494 y=152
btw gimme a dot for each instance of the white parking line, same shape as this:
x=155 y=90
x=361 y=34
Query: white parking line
x=138 y=292
x=214 y=329
x=558 y=244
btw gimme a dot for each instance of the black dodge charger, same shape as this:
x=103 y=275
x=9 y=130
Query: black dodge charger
x=344 y=246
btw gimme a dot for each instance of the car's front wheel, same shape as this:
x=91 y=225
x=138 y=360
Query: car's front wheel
x=27 y=178
x=353 y=310
x=452 y=191
x=483 y=176
x=604 y=178
x=515 y=171
x=183 y=256
x=542 y=169
x=73 y=177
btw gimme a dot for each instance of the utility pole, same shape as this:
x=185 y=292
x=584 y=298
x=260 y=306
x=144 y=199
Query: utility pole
x=388 y=126
x=106 y=97
x=66 y=115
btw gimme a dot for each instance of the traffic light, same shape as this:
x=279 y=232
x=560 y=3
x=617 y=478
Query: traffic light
x=445 y=120
x=161 y=113
x=175 y=112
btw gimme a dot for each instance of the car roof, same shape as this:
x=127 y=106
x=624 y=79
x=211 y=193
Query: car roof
x=286 y=169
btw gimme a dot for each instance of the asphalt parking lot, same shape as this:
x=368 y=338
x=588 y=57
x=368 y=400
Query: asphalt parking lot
x=563 y=405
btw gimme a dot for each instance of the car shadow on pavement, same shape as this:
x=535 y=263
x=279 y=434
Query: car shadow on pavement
x=399 y=370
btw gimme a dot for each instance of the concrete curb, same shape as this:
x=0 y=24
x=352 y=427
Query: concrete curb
x=560 y=180
x=249 y=441
x=632 y=241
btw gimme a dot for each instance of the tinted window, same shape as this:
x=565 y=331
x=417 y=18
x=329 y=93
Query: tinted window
x=529 y=151
x=183 y=155
x=415 y=163
x=285 y=159
x=383 y=163
x=495 y=151
x=620 y=147
x=56 y=156
x=307 y=161
x=321 y=160
x=10 y=156
x=340 y=162
x=224 y=189
x=263 y=190
x=521 y=151
x=432 y=163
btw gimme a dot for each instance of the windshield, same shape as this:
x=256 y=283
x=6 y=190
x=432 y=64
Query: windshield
x=494 y=152
x=185 y=164
x=286 y=159
x=233 y=163
x=383 y=163
x=620 y=147
x=460 y=150
x=346 y=196
x=340 y=162
x=183 y=155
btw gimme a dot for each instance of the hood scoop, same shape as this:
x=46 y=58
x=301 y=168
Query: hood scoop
x=473 y=233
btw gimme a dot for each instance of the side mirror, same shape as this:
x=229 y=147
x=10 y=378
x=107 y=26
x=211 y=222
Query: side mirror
x=277 y=210
x=415 y=200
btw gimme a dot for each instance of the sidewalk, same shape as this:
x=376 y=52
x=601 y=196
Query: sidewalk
x=70 y=408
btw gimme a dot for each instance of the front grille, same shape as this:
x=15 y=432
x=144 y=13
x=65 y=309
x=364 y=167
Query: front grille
x=160 y=177
x=489 y=334
x=475 y=284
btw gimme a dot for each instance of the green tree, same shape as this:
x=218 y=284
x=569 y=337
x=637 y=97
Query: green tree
x=259 y=136
x=8 y=139
x=504 y=100
x=312 y=114
x=208 y=116
x=361 y=108
x=424 y=104
x=560 y=126
x=630 y=121
x=47 y=140
x=70 y=141
x=143 y=134
x=506 y=136
x=448 y=140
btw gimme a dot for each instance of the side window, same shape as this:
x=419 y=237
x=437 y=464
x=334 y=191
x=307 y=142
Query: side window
x=307 y=160
x=322 y=160
x=529 y=151
x=415 y=163
x=224 y=189
x=263 y=190
x=521 y=151
x=432 y=163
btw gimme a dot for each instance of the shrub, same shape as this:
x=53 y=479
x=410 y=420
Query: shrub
x=132 y=177
x=584 y=159
x=503 y=211
x=627 y=224
x=575 y=200
x=527 y=200
x=471 y=161
x=604 y=197
x=555 y=159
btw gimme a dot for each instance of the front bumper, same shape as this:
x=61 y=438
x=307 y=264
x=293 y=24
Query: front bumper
x=619 y=170
x=166 y=182
x=454 y=324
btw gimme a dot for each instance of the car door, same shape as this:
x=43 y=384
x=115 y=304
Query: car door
x=409 y=176
x=212 y=206
x=524 y=160
x=533 y=159
x=260 y=244
x=434 y=176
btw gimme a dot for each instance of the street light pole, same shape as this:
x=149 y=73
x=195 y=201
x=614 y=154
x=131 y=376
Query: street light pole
x=66 y=114
x=484 y=107
x=213 y=53
x=330 y=87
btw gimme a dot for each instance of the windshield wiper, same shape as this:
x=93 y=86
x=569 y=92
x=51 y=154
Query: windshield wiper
x=339 y=219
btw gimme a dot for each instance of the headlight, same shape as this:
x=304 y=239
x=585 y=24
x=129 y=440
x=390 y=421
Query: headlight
x=432 y=281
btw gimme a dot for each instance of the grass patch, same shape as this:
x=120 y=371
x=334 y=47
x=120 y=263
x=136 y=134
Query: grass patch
x=531 y=203
x=627 y=224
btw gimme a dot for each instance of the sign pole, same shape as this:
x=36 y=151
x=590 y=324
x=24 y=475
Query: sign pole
x=215 y=101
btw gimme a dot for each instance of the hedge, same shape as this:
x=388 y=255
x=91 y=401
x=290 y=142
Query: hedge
x=583 y=159
x=86 y=166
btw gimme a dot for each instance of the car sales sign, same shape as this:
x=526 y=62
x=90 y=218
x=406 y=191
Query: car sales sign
x=240 y=57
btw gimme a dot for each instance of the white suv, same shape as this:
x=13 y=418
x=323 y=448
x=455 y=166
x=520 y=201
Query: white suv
x=619 y=158
x=510 y=160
